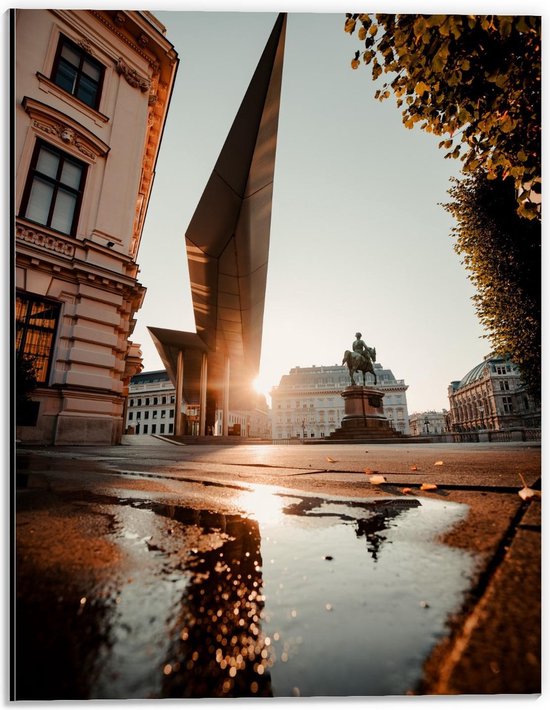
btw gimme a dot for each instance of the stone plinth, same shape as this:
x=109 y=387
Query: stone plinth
x=364 y=416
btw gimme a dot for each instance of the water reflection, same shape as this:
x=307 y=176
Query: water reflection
x=277 y=600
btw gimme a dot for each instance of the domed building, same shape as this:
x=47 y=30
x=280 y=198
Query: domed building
x=491 y=396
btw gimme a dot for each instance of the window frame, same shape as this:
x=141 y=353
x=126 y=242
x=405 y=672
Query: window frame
x=26 y=326
x=83 y=56
x=33 y=173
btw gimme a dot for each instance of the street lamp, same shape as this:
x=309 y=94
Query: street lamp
x=427 y=425
x=303 y=428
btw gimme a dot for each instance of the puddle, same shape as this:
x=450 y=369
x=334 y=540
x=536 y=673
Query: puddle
x=294 y=595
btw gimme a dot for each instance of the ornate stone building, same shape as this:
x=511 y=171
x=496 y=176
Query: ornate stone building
x=426 y=423
x=92 y=89
x=307 y=401
x=491 y=396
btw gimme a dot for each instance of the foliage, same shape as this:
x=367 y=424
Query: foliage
x=475 y=78
x=25 y=378
x=502 y=253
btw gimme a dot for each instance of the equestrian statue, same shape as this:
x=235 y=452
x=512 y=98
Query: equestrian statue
x=361 y=358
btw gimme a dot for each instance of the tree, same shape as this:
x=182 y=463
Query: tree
x=502 y=252
x=475 y=78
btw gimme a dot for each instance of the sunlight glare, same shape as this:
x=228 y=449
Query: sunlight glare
x=263 y=505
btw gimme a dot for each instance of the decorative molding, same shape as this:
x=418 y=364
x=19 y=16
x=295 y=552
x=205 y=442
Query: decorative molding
x=66 y=134
x=71 y=133
x=44 y=241
x=86 y=46
x=132 y=76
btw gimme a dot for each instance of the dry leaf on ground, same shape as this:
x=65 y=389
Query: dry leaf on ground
x=377 y=479
x=438 y=463
x=406 y=490
x=370 y=471
x=428 y=487
x=414 y=468
x=331 y=460
x=527 y=493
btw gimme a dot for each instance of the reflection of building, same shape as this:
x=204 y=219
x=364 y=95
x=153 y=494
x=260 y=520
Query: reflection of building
x=307 y=401
x=425 y=423
x=152 y=402
x=491 y=396
x=92 y=89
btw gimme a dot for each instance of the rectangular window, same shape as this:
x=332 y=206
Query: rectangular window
x=130 y=415
x=145 y=428
x=170 y=428
x=146 y=401
x=146 y=415
x=162 y=428
x=78 y=73
x=54 y=188
x=139 y=402
x=155 y=412
x=163 y=413
x=153 y=428
x=36 y=321
x=138 y=415
x=172 y=413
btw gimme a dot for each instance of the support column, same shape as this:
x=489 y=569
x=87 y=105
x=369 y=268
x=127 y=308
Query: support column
x=204 y=380
x=178 y=419
x=225 y=408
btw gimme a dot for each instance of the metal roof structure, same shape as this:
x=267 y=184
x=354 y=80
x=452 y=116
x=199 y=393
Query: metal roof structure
x=227 y=239
x=227 y=244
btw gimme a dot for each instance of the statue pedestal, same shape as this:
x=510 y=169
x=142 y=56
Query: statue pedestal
x=364 y=416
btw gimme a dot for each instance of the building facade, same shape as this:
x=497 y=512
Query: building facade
x=92 y=89
x=491 y=396
x=151 y=409
x=426 y=423
x=307 y=401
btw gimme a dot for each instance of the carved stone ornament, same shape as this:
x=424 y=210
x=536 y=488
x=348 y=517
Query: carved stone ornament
x=66 y=134
x=131 y=75
x=45 y=241
x=86 y=46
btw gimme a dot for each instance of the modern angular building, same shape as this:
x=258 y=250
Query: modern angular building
x=491 y=396
x=307 y=402
x=92 y=89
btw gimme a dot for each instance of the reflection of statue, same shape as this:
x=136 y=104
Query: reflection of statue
x=361 y=358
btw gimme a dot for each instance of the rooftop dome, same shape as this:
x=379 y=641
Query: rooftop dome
x=476 y=373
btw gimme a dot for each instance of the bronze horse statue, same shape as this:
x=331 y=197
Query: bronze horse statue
x=362 y=363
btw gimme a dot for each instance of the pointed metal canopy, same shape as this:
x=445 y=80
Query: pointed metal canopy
x=227 y=239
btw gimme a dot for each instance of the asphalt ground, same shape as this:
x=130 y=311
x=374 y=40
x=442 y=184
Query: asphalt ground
x=493 y=644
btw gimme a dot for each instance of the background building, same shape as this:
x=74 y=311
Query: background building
x=426 y=423
x=307 y=401
x=151 y=409
x=92 y=89
x=491 y=396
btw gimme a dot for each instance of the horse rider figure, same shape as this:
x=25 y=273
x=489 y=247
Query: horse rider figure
x=359 y=346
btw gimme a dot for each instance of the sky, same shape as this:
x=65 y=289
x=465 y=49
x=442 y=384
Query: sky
x=359 y=239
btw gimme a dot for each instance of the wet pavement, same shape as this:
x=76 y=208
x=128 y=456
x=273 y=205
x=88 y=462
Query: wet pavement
x=192 y=572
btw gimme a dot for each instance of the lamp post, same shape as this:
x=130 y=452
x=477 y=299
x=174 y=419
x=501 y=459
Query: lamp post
x=303 y=428
x=427 y=425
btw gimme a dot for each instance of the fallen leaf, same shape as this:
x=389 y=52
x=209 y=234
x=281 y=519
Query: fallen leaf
x=406 y=490
x=527 y=493
x=428 y=487
x=438 y=463
x=376 y=480
x=414 y=468
x=331 y=460
x=370 y=470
